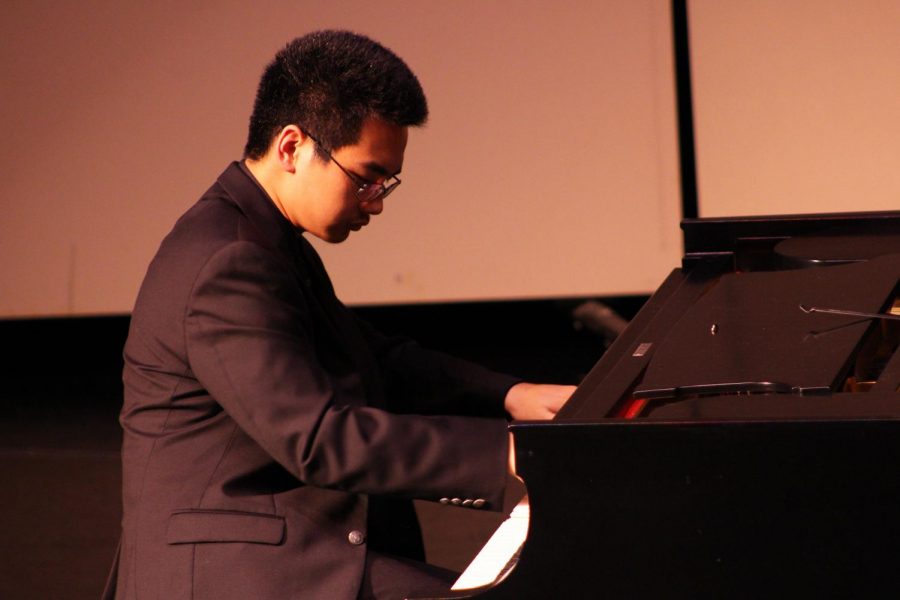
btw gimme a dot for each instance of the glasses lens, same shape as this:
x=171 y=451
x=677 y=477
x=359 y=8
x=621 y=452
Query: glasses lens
x=369 y=192
x=390 y=188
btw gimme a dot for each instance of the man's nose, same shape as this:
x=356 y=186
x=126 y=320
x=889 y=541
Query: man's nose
x=373 y=207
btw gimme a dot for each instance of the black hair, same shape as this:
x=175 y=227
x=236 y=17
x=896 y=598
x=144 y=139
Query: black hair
x=327 y=83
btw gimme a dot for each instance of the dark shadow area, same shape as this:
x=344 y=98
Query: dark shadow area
x=59 y=455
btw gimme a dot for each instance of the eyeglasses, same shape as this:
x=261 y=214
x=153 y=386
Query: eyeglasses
x=366 y=189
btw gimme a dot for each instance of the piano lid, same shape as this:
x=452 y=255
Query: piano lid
x=748 y=334
x=836 y=248
x=729 y=322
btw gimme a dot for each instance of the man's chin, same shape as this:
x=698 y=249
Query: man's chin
x=334 y=237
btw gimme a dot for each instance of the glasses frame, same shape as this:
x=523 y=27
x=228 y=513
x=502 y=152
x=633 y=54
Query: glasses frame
x=366 y=189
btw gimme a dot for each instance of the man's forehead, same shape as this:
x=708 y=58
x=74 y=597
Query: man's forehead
x=380 y=148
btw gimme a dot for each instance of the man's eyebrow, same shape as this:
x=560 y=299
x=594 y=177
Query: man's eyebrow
x=379 y=169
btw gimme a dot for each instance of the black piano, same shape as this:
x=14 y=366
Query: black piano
x=741 y=438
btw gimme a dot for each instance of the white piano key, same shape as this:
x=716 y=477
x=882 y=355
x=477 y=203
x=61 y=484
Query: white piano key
x=493 y=561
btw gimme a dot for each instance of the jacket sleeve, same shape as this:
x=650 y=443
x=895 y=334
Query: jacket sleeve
x=428 y=382
x=249 y=344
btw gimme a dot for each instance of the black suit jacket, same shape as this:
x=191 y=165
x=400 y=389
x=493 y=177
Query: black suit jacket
x=261 y=417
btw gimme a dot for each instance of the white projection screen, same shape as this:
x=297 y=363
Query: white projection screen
x=548 y=167
x=796 y=105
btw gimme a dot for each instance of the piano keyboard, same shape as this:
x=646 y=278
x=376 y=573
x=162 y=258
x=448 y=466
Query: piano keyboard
x=501 y=553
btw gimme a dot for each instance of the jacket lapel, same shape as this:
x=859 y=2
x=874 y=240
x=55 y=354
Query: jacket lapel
x=337 y=323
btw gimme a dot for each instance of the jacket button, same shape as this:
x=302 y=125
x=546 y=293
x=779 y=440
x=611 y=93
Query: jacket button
x=356 y=537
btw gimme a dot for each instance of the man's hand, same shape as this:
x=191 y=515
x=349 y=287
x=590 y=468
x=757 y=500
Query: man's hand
x=534 y=401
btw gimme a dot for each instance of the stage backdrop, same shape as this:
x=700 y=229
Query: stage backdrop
x=797 y=105
x=548 y=167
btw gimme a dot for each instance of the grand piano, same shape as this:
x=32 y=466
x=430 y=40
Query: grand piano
x=740 y=439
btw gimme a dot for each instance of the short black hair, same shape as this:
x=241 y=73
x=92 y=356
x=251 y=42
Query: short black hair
x=328 y=83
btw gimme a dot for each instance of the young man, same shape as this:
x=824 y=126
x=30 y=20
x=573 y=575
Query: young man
x=272 y=441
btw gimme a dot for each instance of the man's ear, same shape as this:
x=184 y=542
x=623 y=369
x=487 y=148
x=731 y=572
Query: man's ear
x=288 y=144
